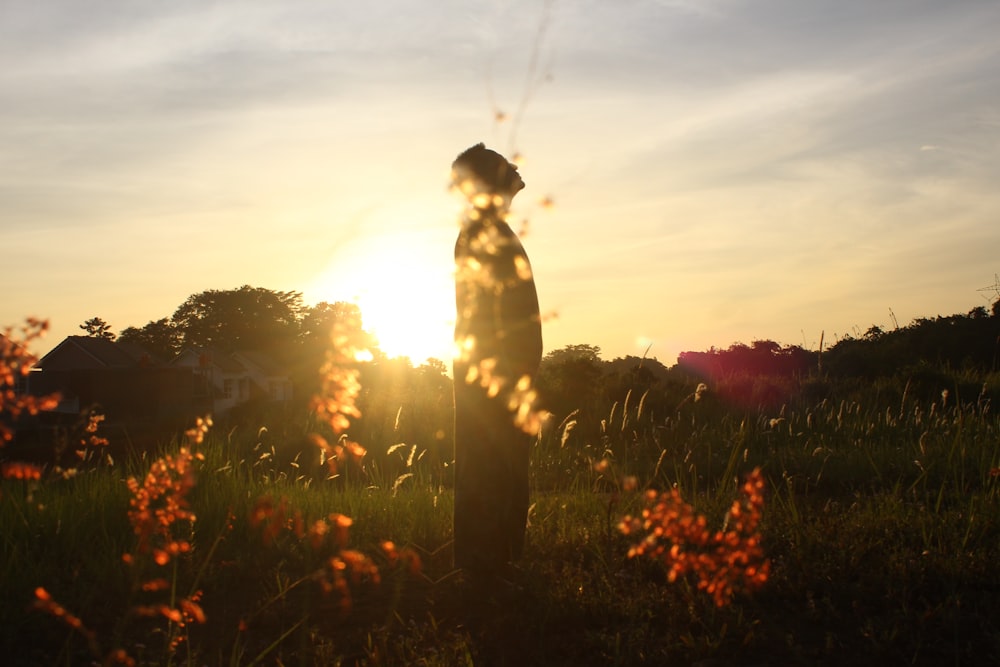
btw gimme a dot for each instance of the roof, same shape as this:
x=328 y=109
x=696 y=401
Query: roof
x=262 y=361
x=92 y=352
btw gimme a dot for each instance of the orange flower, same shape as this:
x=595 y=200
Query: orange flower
x=317 y=533
x=344 y=450
x=274 y=519
x=196 y=434
x=347 y=565
x=340 y=385
x=342 y=524
x=120 y=657
x=18 y=470
x=44 y=603
x=15 y=363
x=721 y=562
x=159 y=503
x=93 y=422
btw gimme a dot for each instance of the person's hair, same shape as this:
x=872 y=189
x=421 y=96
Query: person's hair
x=485 y=165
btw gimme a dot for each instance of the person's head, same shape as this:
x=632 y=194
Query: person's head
x=478 y=170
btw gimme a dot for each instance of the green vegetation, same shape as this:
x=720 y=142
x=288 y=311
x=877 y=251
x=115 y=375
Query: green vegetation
x=881 y=521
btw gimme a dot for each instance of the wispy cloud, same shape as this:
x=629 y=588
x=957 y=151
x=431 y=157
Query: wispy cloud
x=770 y=166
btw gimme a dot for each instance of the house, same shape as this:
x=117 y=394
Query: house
x=225 y=380
x=123 y=380
x=130 y=385
x=144 y=400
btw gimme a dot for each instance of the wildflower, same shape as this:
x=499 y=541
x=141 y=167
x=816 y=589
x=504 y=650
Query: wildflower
x=406 y=556
x=339 y=572
x=15 y=363
x=343 y=451
x=721 y=562
x=187 y=611
x=19 y=470
x=196 y=434
x=270 y=518
x=318 y=531
x=336 y=404
x=154 y=585
x=159 y=503
x=43 y=602
x=342 y=524
x=120 y=657
x=340 y=385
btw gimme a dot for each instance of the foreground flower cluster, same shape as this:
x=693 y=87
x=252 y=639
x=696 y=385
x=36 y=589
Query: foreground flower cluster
x=339 y=376
x=338 y=567
x=336 y=403
x=721 y=562
x=160 y=503
x=15 y=363
x=163 y=523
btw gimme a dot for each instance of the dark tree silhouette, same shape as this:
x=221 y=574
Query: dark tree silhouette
x=318 y=325
x=570 y=379
x=762 y=358
x=159 y=337
x=97 y=328
x=970 y=341
x=249 y=318
x=319 y=321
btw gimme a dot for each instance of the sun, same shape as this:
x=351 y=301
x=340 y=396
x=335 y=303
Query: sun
x=402 y=281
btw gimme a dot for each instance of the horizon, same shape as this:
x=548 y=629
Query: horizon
x=719 y=172
x=49 y=343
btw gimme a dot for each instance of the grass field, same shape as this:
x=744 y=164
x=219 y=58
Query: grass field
x=881 y=523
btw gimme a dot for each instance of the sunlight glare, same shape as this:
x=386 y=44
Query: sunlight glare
x=403 y=284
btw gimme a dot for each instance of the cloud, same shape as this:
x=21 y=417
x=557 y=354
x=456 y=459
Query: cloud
x=732 y=158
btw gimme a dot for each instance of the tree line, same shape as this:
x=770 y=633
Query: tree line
x=246 y=318
x=404 y=403
x=958 y=342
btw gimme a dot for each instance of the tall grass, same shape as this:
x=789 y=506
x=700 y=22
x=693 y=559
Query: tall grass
x=881 y=522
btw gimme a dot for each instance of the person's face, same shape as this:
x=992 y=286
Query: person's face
x=508 y=181
x=491 y=174
x=516 y=182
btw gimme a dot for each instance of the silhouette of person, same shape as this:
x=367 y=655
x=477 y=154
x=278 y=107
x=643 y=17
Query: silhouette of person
x=498 y=335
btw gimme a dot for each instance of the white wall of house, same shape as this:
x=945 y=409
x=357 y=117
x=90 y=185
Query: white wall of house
x=232 y=378
x=275 y=387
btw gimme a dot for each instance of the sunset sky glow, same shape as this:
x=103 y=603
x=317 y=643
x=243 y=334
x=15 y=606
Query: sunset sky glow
x=722 y=170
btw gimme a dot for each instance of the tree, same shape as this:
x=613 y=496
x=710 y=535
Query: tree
x=580 y=352
x=159 y=337
x=248 y=318
x=97 y=328
x=318 y=326
x=570 y=379
x=319 y=321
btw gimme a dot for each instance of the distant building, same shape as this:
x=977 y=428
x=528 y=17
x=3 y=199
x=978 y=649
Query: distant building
x=128 y=384
x=223 y=381
x=122 y=380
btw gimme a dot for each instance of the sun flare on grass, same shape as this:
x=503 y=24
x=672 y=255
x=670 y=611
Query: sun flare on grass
x=403 y=283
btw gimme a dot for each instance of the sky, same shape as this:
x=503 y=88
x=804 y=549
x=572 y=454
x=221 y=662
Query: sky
x=720 y=171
